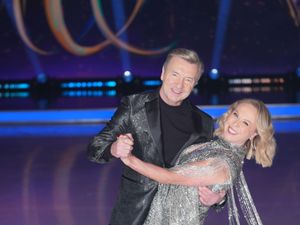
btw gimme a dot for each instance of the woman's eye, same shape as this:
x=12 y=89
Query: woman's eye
x=246 y=123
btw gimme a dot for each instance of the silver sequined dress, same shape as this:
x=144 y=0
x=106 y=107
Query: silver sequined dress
x=178 y=204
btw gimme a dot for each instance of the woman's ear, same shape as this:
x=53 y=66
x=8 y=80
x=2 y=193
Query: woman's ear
x=253 y=135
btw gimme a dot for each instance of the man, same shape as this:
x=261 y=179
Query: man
x=156 y=126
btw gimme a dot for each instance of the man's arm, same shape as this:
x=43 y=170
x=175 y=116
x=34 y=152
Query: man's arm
x=106 y=145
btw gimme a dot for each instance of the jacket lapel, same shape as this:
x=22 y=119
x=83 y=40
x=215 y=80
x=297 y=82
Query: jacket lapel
x=153 y=116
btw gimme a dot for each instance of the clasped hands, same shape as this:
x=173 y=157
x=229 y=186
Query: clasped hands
x=123 y=146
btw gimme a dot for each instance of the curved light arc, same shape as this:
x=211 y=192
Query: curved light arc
x=19 y=21
x=107 y=32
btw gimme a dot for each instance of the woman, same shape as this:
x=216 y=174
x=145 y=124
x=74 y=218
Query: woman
x=245 y=130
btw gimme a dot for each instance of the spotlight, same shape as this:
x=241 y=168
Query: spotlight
x=127 y=76
x=214 y=74
x=41 y=78
x=298 y=72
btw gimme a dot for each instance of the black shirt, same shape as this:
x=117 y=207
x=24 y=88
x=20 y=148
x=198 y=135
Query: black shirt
x=177 y=126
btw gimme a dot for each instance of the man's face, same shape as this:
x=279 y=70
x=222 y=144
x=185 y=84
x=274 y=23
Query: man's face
x=178 y=80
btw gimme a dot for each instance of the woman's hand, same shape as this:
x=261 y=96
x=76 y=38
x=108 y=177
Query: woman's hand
x=126 y=159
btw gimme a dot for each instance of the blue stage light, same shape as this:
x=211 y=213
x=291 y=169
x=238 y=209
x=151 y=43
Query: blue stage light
x=151 y=83
x=127 y=76
x=127 y=73
x=97 y=84
x=78 y=84
x=13 y=86
x=298 y=72
x=110 y=83
x=89 y=84
x=24 y=94
x=41 y=78
x=111 y=93
x=214 y=74
x=22 y=86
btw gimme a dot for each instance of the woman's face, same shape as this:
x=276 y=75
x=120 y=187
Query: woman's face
x=240 y=125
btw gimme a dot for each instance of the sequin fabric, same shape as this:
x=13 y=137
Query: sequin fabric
x=180 y=205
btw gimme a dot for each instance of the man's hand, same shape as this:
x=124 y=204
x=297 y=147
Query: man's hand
x=208 y=197
x=123 y=146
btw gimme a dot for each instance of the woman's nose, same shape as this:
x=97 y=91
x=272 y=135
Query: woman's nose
x=236 y=123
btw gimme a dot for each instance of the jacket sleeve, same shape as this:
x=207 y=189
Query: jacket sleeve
x=99 y=147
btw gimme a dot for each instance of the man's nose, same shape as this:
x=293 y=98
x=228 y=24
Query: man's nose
x=180 y=83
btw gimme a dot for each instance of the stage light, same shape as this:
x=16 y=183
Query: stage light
x=298 y=72
x=214 y=74
x=83 y=85
x=41 y=78
x=152 y=83
x=23 y=94
x=214 y=99
x=97 y=84
x=12 y=86
x=127 y=76
x=111 y=93
x=110 y=83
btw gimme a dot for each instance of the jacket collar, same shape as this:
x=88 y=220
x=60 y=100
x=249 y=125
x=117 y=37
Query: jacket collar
x=153 y=116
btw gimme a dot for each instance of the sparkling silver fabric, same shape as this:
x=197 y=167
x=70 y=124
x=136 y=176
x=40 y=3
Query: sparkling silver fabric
x=246 y=201
x=178 y=204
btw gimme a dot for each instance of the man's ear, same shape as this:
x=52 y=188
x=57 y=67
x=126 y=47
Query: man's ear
x=162 y=73
x=195 y=83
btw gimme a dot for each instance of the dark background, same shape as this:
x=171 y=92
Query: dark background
x=260 y=37
x=46 y=127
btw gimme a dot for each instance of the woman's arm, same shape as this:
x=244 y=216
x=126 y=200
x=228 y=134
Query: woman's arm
x=200 y=173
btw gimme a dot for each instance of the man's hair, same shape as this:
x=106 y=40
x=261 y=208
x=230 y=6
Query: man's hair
x=189 y=56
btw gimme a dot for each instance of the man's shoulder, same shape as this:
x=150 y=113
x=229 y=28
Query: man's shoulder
x=138 y=101
x=201 y=113
x=142 y=97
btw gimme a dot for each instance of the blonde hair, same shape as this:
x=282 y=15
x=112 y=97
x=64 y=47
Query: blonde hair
x=189 y=56
x=263 y=146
